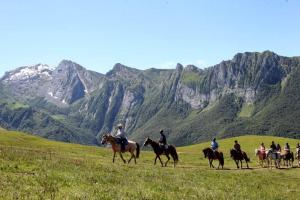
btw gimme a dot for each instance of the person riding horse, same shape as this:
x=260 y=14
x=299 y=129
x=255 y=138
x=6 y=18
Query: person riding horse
x=121 y=137
x=273 y=146
x=262 y=149
x=214 y=145
x=237 y=146
x=163 y=140
x=287 y=148
x=298 y=147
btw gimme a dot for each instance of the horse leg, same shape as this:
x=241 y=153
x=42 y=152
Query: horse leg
x=155 y=159
x=122 y=157
x=132 y=156
x=114 y=156
x=241 y=164
x=167 y=160
x=160 y=161
x=237 y=164
x=211 y=163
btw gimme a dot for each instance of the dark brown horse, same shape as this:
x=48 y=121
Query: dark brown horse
x=158 y=150
x=239 y=157
x=288 y=158
x=211 y=155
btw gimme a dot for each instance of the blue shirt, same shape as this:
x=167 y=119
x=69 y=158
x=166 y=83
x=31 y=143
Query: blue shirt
x=214 y=145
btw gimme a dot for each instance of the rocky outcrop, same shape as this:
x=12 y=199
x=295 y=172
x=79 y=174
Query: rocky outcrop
x=191 y=103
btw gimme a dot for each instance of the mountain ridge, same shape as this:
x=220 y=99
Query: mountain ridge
x=190 y=103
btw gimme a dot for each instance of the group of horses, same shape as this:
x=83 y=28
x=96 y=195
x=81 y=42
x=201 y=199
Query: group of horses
x=170 y=151
x=268 y=157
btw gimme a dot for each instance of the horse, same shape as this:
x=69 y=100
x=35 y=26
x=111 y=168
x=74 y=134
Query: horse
x=211 y=155
x=288 y=158
x=262 y=157
x=271 y=155
x=239 y=156
x=158 y=150
x=130 y=147
x=298 y=156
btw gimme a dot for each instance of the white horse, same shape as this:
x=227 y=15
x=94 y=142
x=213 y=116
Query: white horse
x=273 y=155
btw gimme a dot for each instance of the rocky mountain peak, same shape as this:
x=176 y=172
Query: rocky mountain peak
x=28 y=72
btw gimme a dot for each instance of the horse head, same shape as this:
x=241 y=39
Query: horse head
x=105 y=138
x=147 y=141
x=232 y=153
x=205 y=152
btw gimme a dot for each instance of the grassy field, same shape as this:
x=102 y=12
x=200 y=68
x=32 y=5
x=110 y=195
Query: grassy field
x=35 y=168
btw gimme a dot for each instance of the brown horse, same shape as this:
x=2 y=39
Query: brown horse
x=262 y=157
x=158 y=150
x=130 y=147
x=211 y=155
x=288 y=158
x=239 y=157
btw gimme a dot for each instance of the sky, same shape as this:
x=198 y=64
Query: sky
x=144 y=33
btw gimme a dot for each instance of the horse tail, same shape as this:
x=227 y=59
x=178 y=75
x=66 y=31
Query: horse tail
x=137 y=150
x=247 y=159
x=221 y=159
x=174 y=153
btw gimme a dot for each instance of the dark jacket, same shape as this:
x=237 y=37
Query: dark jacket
x=162 y=139
x=273 y=147
x=237 y=147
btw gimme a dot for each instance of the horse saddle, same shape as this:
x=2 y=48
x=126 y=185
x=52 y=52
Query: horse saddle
x=163 y=147
x=123 y=142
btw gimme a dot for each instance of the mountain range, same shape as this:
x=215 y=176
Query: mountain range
x=253 y=93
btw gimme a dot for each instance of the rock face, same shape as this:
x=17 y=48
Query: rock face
x=235 y=97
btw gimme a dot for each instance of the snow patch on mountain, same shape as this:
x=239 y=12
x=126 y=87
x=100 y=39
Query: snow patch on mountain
x=29 y=72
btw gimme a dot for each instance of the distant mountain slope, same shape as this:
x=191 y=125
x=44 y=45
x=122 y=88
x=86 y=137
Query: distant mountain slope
x=254 y=93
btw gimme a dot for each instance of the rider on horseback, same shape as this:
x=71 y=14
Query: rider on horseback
x=287 y=148
x=298 y=147
x=214 y=145
x=237 y=146
x=121 y=137
x=262 y=148
x=273 y=146
x=162 y=140
x=278 y=148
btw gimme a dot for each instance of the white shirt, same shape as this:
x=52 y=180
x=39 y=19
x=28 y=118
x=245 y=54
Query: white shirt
x=121 y=133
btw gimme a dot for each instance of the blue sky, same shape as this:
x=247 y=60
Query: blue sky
x=144 y=33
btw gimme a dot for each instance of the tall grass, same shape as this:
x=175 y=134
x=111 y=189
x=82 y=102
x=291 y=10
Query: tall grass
x=35 y=168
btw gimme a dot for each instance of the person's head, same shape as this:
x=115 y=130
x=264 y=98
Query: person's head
x=287 y=144
x=262 y=144
x=278 y=145
x=273 y=142
x=214 y=139
x=161 y=131
x=236 y=141
x=120 y=126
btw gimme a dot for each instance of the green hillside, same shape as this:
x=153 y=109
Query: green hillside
x=36 y=168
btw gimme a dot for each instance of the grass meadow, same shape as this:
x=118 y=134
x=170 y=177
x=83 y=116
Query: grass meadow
x=36 y=168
